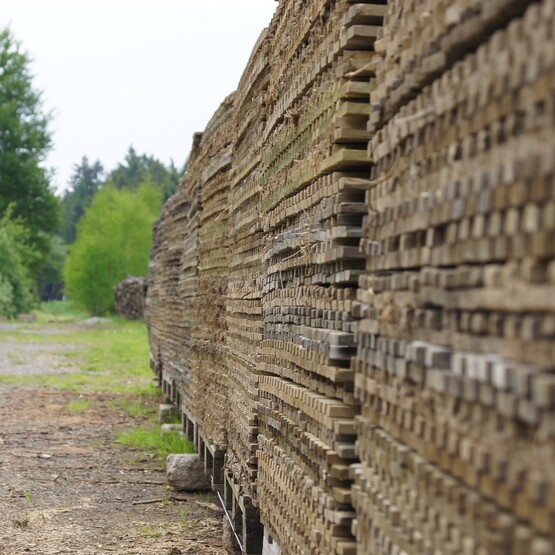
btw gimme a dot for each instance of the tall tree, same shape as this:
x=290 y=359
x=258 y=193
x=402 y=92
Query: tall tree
x=86 y=180
x=137 y=170
x=16 y=258
x=113 y=242
x=24 y=143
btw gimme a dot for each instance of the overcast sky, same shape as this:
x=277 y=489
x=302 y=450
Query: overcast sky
x=143 y=72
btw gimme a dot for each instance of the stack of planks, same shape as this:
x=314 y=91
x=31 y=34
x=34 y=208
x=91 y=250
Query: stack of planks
x=244 y=301
x=210 y=173
x=351 y=293
x=130 y=297
x=164 y=302
x=455 y=358
x=188 y=283
x=314 y=175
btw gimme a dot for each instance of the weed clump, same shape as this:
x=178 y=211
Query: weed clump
x=153 y=440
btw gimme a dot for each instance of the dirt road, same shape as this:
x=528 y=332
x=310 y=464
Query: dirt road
x=67 y=487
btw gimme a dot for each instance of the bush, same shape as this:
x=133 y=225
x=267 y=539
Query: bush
x=113 y=242
x=16 y=258
x=6 y=296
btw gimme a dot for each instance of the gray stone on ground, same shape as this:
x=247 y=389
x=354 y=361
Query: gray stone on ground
x=170 y=428
x=186 y=473
x=95 y=321
x=166 y=413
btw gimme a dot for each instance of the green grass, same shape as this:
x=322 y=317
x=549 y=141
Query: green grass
x=60 y=311
x=141 y=406
x=113 y=357
x=152 y=440
x=151 y=532
x=79 y=405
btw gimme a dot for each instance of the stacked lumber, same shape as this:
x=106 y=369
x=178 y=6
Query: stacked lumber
x=130 y=297
x=244 y=296
x=154 y=302
x=187 y=287
x=352 y=290
x=164 y=306
x=424 y=38
x=314 y=173
x=210 y=176
x=455 y=354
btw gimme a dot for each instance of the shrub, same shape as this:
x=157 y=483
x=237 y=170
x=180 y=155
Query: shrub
x=16 y=258
x=113 y=242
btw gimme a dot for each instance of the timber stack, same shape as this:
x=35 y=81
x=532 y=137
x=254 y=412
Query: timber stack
x=130 y=296
x=351 y=295
x=164 y=303
x=455 y=359
x=315 y=172
x=244 y=301
x=180 y=386
x=210 y=387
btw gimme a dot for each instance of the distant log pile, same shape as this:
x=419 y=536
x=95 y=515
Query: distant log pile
x=130 y=295
x=351 y=295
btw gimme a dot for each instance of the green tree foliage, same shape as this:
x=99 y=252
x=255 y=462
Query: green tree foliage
x=51 y=278
x=86 y=180
x=17 y=256
x=142 y=169
x=24 y=143
x=113 y=241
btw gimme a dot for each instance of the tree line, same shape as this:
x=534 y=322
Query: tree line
x=83 y=242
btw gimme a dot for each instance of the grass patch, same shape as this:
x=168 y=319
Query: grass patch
x=151 y=532
x=60 y=311
x=152 y=440
x=87 y=382
x=141 y=406
x=113 y=357
x=79 y=405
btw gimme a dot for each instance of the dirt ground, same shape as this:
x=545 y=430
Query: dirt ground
x=66 y=487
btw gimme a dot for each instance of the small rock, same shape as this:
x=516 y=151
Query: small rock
x=186 y=473
x=175 y=551
x=95 y=321
x=169 y=428
x=166 y=414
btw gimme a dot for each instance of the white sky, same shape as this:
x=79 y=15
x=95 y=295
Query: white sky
x=143 y=72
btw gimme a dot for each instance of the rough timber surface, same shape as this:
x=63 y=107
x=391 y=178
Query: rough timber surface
x=130 y=295
x=455 y=360
x=351 y=295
